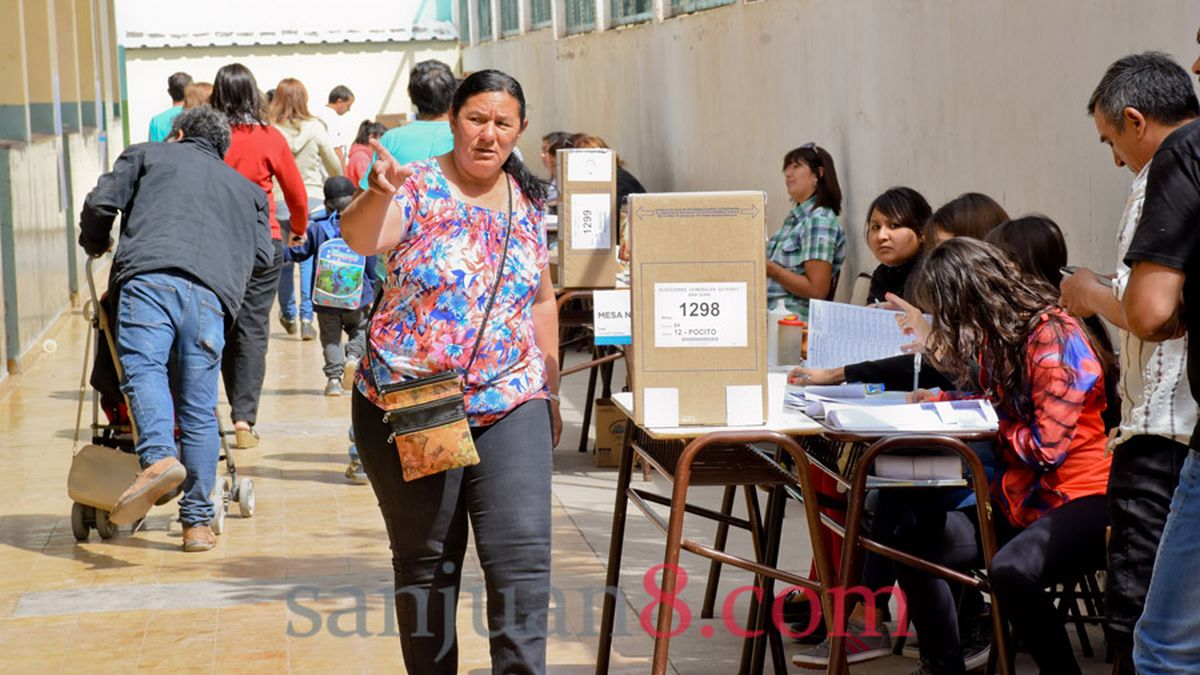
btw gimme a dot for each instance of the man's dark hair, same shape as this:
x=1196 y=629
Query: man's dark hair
x=340 y=93
x=203 y=122
x=431 y=87
x=177 y=84
x=1150 y=83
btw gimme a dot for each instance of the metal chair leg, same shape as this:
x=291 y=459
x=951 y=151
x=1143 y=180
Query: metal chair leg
x=616 y=546
x=714 y=568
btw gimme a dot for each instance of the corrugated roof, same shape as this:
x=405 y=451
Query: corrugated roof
x=430 y=31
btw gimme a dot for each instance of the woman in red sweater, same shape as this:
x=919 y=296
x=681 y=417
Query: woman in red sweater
x=1004 y=335
x=260 y=153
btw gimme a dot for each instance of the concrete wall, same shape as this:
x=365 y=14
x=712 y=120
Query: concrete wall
x=32 y=237
x=377 y=73
x=945 y=97
x=83 y=161
x=54 y=122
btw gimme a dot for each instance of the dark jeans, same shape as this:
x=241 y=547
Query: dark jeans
x=1145 y=471
x=331 y=324
x=1057 y=547
x=244 y=363
x=506 y=499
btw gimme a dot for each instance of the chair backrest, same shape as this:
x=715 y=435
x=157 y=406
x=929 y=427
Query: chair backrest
x=862 y=289
x=833 y=284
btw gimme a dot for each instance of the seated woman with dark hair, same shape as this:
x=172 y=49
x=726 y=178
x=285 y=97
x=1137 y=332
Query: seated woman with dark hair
x=1000 y=332
x=551 y=144
x=1036 y=244
x=895 y=223
x=970 y=215
x=805 y=256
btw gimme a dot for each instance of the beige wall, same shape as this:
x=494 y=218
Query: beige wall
x=41 y=273
x=376 y=73
x=942 y=96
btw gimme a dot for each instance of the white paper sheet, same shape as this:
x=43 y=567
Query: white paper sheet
x=700 y=314
x=592 y=166
x=611 y=317
x=743 y=405
x=968 y=415
x=662 y=407
x=840 y=334
x=591 y=221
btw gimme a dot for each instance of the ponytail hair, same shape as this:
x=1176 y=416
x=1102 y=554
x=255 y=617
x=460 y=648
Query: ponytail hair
x=485 y=81
x=533 y=187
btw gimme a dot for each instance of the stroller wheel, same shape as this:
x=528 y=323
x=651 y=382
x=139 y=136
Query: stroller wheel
x=79 y=526
x=245 y=498
x=231 y=488
x=220 y=502
x=105 y=529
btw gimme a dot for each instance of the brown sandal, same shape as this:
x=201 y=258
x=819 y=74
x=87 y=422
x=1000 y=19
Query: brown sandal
x=245 y=438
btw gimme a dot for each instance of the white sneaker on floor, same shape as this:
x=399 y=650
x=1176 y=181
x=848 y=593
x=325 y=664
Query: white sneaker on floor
x=333 y=387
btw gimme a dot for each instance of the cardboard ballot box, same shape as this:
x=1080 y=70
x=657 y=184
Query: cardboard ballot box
x=698 y=276
x=587 y=218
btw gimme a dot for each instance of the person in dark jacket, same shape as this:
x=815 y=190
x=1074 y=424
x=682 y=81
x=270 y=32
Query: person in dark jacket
x=193 y=230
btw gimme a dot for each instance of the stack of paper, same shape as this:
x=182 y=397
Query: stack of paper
x=813 y=399
x=975 y=415
x=918 y=467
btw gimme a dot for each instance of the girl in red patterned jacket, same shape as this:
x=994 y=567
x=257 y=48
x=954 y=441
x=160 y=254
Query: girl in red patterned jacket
x=1003 y=334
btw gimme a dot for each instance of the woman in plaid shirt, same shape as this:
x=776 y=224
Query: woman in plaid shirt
x=805 y=256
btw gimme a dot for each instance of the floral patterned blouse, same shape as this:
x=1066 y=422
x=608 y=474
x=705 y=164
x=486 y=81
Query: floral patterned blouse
x=436 y=289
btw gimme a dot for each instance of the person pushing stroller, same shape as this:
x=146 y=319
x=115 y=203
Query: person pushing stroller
x=193 y=229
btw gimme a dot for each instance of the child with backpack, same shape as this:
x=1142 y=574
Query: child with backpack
x=343 y=287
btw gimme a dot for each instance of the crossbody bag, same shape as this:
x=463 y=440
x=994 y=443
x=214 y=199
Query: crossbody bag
x=428 y=415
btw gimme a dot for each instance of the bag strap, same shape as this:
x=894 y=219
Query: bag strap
x=487 y=311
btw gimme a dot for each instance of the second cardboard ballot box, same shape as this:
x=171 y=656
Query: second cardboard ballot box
x=587 y=223
x=698 y=276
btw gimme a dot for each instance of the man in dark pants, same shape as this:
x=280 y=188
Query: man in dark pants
x=1164 y=255
x=193 y=229
x=1139 y=102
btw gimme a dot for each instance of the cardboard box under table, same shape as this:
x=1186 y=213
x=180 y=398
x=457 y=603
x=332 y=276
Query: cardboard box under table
x=698 y=275
x=610 y=433
x=587 y=232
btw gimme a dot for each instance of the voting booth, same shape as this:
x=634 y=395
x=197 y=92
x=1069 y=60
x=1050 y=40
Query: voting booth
x=587 y=218
x=698 y=278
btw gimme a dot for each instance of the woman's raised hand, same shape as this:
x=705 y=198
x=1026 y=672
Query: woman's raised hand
x=387 y=175
x=912 y=322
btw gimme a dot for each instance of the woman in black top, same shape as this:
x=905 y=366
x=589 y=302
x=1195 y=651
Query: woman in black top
x=969 y=215
x=894 y=234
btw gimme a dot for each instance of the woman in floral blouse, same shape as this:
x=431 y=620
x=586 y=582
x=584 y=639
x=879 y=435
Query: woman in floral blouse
x=440 y=224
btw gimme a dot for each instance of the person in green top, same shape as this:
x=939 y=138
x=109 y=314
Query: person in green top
x=805 y=256
x=431 y=86
x=160 y=124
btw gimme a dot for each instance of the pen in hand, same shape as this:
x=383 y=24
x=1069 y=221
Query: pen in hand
x=916 y=371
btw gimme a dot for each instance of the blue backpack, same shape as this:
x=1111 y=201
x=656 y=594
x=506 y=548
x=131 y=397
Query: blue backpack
x=338 y=276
